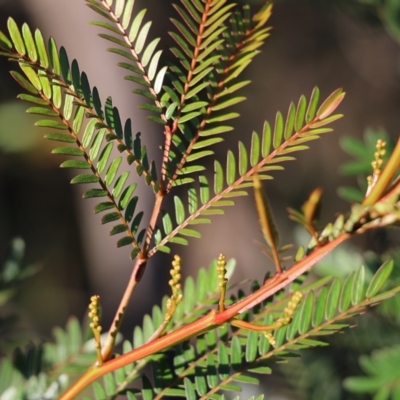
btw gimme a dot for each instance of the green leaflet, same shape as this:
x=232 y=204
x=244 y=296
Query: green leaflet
x=54 y=57
x=305 y=313
x=85 y=178
x=207 y=142
x=120 y=184
x=230 y=168
x=48 y=123
x=118 y=229
x=5 y=42
x=357 y=290
x=95 y=193
x=266 y=139
x=125 y=241
x=104 y=157
x=218 y=177
x=60 y=137
x=332 y=299
x=29 y=42
x=243 y=160
x=255 y=149
x=16 y=37
x=69 y=151
x=131 y=206
x=290 y=121
x=179 y=210
x=278 y=131
x=346 y=295
x=380 y=278
x=112 y=171
x=126 y=195
x=75 y=164
x=190 y=232
x=312 y=105
x=300 y=113
x=110 y=217
x=31 y=75
x=216 y=130
x=167 y=222
x=330 y=104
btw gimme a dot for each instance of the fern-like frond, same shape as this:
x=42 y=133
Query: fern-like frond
x=224 y=359
x=383 y=374
x=12 y=271
x=303 y=124
x=86 y=129
x=212 y=63
x=131 y=35
x=43 y=369
x=71 y=350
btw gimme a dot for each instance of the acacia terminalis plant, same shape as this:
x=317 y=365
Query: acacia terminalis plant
x=192 y=100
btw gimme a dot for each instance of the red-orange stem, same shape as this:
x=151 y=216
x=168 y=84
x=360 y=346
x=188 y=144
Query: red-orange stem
x=208 y=322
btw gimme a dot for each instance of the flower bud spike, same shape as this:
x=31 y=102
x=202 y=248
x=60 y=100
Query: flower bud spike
x=222 y=281
x=94 y=315
x=270 y=338
x=376 y=164
x=176 y=288
x=174 y=300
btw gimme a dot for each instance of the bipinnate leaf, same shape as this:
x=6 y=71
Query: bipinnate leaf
x=63 y=95
x=222 y=58
x=142 y=59
x=229 y=183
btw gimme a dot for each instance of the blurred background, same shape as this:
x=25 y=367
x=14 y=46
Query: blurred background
x=351 y=44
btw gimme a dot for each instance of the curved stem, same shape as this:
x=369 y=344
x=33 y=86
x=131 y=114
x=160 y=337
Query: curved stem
x=137 y=272
x=208 y=322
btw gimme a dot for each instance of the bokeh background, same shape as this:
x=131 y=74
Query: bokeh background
x=350 y=44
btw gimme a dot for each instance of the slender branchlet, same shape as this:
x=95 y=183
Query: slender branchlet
x=94 y=315
x=286 y=318
x=279 y=323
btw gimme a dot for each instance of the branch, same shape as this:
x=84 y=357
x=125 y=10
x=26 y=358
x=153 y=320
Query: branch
x=208 y=322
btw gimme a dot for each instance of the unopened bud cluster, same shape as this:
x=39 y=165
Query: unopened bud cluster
x=175 y=284
x=221 y=270
x=378 y=161
x=94 y=313
x=175 y=281
x=287 y=316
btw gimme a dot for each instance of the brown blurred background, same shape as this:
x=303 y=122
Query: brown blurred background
x=330 y=44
